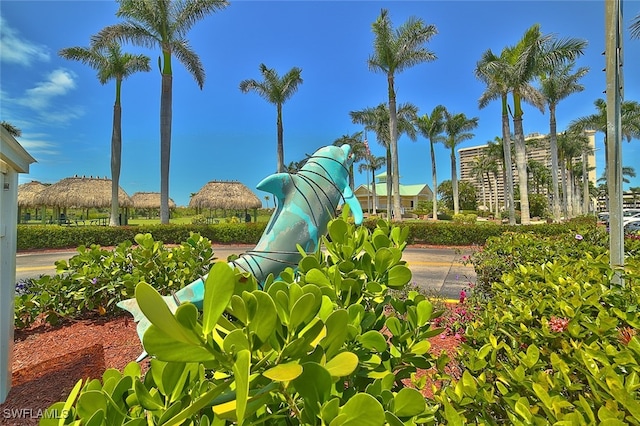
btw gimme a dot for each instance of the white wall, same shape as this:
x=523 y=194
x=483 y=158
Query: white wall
x=13 y=160
x=8 y=220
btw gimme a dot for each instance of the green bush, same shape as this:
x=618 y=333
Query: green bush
x=308 y=349
x=95 y=279
x=558 y=343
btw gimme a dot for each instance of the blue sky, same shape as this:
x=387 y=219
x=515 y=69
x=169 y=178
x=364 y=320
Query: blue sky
x=220 y=133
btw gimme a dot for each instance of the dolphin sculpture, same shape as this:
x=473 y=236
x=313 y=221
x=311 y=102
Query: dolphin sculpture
x=306 y=202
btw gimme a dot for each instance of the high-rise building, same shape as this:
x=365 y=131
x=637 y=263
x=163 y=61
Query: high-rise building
x=538 y=150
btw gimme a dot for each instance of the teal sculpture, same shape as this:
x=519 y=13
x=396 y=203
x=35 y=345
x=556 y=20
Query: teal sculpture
x=306 y=202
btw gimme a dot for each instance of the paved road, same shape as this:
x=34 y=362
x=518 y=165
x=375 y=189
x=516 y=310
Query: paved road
x=437 y=269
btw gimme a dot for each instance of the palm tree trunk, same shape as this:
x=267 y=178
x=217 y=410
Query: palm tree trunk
x=508 y=168
x=116 y=156
x=389 y=184
x=490 y=191
x=166 y=100
x=434 y=181
x=585 y=183
x=393 y=131
x=570 y=201
x=563 y=176
x=280 y=147
x=553 y=147
x=484 y=193
x=454 y=182
x=373 y=188
x=521 y=164
x=495 y=192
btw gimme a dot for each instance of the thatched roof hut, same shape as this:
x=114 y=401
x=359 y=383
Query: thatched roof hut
x=82 y=192
x=149 y=200
x=225 y=195
x=28 y=194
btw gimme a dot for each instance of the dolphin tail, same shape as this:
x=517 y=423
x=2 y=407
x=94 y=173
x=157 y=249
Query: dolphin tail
x=131 y=305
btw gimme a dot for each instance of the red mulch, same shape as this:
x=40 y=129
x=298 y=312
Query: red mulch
x=48 y=361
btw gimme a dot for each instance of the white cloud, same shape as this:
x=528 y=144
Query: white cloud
x=16 y=50
x=36 y=143
x=58 y=83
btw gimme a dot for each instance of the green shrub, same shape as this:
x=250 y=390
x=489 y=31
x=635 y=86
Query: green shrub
x=308 y=349
x=558 y=343
x=95 y=279
x=199 y=220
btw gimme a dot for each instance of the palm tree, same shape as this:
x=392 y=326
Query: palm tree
x=492 y=70
x=555 y=85
x=266 y=199
x=359 y=150
x=534 y=53
x=480 y=170
x=395 y=50
x=539 y=174
x=457 y=129
x=377 y=120
x=276 y=90
x=163 y=24
x=13 y=130
x=634 y=28
x=629 y=114
x=571 y=144
x=495 y=154
x=431 y=127
x=111 y=64
x=629 y=119
x=372 y=163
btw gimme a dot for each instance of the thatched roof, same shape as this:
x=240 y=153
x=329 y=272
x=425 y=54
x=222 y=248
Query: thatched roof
x=225 y=195
x=82 y=192
x=28 y=194
x=149 y=200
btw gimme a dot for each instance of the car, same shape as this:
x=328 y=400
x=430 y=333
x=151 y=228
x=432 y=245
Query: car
x=603 y=217
x=631 y=224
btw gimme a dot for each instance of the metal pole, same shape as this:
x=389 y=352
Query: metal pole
x=613 y=55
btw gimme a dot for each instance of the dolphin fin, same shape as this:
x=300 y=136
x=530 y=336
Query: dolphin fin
x=275 y=184
x=354 y=205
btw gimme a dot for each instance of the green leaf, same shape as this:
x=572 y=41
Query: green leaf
x=373 y=339
x=263 y=321
x=145 y=399
x=314 y=385
x=241 y=372
x=399 y=276
x=523 y=410
x=166 y=375
x=317 y=277
x=342 y=364
x=337 y=330
x=89 y=402
x=383 y=260
x=284 y=372
x=235 y=342
x=338 y=231
x=424 y=310
x=302 y=310
x=353 y=411
x=154 y=307
x=394 y=326
x=421 y=347
x=166 y=348
x=218 y=290
x=408 y=402
x=70 y=400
